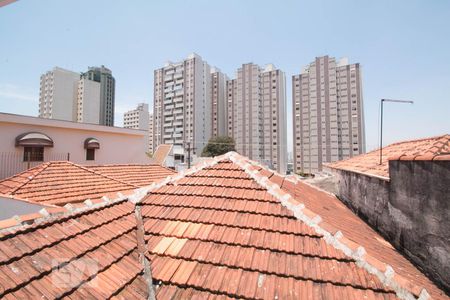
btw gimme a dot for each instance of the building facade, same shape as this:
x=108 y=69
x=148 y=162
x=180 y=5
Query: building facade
x=140 y=118
x=106 y=96
x=218 y=103
x=328 y=113
x=182 y=105
x=86 y=98
x=57 y=94
x=257 y=114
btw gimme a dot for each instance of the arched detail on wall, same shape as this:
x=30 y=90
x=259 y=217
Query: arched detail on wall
x=91 y=143
x=34 y=139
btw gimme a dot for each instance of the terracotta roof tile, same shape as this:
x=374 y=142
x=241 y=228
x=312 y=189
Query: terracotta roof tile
x=34 y=258
x=219 y=222
x=59 y=183
x=138 y=175
x=434 y=148
x=208 y=239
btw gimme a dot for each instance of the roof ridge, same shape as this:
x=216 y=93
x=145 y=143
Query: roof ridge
x=388 y=277
x=101 y=174
x=416 y=140
x=143 y=191
x=53 y=213
x=31 y=177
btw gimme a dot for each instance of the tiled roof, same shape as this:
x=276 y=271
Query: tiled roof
x=161 y=153
x=90 y=254
x=433 y=148
x=139 y=175
x=222 y=229
x=61 y=182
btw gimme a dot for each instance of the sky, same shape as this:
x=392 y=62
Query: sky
x=403 y=47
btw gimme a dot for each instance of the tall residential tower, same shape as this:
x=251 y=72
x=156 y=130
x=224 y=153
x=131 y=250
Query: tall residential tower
x=257 y=114
x=58 y=94
x=84 y=98
x=182 y=105
x=328 y=113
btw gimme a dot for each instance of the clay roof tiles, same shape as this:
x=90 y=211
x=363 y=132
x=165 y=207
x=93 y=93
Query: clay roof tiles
x=136 y=174
x=63 y=182
x=434 y=148
x=88 y=254
x=206 y=236
x=222 y=231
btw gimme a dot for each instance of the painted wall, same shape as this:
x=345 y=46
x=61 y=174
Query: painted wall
x=117 y=145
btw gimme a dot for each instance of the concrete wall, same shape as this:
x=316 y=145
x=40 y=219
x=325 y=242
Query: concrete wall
x=411 y=210
x=420 y=202
x=117 y=145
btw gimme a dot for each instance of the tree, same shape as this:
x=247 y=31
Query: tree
x=218 y=146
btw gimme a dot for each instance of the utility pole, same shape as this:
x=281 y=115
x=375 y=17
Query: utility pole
x=381 y=125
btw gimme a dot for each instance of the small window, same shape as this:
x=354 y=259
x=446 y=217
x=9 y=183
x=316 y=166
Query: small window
x=33 y=153
x=90 y=154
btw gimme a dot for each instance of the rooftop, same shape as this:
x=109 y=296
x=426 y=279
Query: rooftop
x=227 y=227
x=63 y=182
x=36 y=121
x=369 y=163
x=161 y=153
x=136 y=174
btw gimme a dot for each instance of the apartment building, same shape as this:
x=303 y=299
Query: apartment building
x=140 y=118
x=86 y=98
x=58 y=89
x=182 y=105
x=219 y=103
x=257 y=114
x=328 y=113
x=103 y=95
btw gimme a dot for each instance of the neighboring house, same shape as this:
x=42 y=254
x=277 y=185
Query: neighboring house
x=28 y=141
x=406 y=198
x=226 y=228
x=163 y=155
x=60 y=183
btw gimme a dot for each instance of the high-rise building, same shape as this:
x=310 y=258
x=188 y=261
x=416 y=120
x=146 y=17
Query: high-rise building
x=57 y=95
x=328 y=113
x=219 y=103
x=257 y=114
x=137 y=118
x=88 y=101
x=85 y=98
x=182 y=105
x=106 y=93
x=141 y=119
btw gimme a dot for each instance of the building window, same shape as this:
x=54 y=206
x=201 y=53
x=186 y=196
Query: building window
x=90 y=154
x=33 y=153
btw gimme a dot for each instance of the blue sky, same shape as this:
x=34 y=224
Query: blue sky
x=403 y=47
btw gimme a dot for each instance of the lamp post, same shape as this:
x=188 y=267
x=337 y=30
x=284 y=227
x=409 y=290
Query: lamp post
x=381 y=125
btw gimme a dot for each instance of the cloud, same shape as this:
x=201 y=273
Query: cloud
x=11 y=91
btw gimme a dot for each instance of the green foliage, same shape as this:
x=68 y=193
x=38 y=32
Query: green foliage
x=218 y=146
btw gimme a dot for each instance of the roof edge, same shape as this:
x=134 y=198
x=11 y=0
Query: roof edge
x=332 y=235
x=358 y=172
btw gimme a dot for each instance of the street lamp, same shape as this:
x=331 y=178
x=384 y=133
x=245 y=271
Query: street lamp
x=381 y=125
